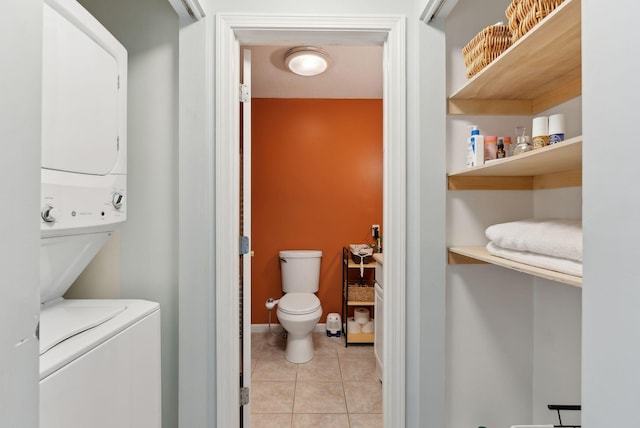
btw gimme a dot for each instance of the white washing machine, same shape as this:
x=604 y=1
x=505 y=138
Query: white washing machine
x=99 y=359
x=106 y=376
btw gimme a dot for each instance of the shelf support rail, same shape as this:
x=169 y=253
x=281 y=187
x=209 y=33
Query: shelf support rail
x=559 y=407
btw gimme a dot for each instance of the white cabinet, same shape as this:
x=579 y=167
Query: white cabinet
x=379 y=319
x=378 y=323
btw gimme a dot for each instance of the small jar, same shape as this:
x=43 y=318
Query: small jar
x=490 y=147
x=523 y=145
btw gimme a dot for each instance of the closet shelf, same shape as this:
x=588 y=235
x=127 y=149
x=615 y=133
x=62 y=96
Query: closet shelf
x=476 y=255
x=540 y=70
x=555 y=166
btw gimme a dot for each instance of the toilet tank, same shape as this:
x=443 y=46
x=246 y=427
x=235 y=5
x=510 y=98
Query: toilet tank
x=300 y=270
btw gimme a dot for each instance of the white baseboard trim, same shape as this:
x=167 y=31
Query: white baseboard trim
x=262 y=328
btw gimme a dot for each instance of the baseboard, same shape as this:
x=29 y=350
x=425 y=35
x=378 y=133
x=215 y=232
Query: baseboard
x=262 y=328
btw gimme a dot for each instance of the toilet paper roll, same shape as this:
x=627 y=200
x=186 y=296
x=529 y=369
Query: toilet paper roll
x=368 y=327
x=353 y=326
x=361 y=315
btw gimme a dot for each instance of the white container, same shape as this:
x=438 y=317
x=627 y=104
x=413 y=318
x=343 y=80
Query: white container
x=475 y=148
x=556 y=128
x=334 y=324
x=540 y=132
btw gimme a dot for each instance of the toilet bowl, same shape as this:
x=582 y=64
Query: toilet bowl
x=299 y=313
x=299 y=310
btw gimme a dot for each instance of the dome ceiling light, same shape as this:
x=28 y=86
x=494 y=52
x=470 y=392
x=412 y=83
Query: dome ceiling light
x=307 y=60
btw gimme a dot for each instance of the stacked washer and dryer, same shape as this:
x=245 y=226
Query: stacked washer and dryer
x=99 y=359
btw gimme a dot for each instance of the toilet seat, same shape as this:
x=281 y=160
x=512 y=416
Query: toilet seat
x=299 y=303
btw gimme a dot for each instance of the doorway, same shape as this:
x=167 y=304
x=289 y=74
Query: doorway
x=232 y=31
x=316 y=167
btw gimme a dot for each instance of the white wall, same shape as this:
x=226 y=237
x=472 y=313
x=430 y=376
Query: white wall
x=405 y=7
x=426 y=258
x=141 y=260
x=20 y=86
x=197 y=369
x=611 y=295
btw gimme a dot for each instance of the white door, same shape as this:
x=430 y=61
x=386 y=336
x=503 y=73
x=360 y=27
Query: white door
x=245 y=225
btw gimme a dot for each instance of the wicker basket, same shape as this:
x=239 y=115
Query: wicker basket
x=486 y=46
x=364 y=259
x=360 y=293
x=523 y=15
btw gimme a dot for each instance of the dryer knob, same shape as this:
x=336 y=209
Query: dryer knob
x=49 y=214
x=117 y=200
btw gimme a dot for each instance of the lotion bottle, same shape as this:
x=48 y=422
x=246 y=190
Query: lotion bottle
x=475 y=148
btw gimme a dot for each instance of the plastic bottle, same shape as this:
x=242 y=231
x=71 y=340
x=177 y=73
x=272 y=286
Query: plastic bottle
x=508 y=148
x=475 y=148
x=556 y=128
x=540 y=132
x=501 y=153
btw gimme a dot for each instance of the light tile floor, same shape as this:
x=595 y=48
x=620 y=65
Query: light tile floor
x=338 y=388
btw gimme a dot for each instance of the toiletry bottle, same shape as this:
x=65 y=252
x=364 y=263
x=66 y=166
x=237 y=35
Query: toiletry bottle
x=556 y=128
x=522 y=141
x=540 y=132
x=471 y=156
x=508 y=148
x=501 y=153
x=490 y=147
x=475 y=148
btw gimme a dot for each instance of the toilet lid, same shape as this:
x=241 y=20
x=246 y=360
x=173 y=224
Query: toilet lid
x=299 y=303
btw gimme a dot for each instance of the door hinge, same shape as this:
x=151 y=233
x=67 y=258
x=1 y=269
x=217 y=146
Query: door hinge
x=118 y=143
x=245 y=93
x=118 y=81
x=244 y=245
x=244 y=395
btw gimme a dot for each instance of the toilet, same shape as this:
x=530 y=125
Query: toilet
x=299 y=310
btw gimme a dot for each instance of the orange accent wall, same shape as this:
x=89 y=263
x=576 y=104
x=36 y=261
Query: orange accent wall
x=316 y=180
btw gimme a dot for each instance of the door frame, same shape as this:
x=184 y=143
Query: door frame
x=231 y=32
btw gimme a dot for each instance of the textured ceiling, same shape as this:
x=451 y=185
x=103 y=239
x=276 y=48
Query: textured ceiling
x=355 y=72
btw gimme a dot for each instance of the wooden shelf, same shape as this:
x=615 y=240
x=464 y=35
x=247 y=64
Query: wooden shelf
x=361 y=338
x=354 y=265
x=555 y=166
x=356 y=303
x=347 y=265
x=473 y=255
x=541 y=70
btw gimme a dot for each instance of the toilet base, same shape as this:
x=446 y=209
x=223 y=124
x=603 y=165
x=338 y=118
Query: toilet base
x=299 y=349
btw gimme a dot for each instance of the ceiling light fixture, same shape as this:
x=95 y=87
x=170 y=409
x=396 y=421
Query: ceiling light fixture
x=307 y=60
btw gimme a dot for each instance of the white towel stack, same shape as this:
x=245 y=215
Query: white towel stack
x=554 y=244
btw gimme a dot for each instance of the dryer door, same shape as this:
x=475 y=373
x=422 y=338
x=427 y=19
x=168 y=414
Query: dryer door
x=80 y=101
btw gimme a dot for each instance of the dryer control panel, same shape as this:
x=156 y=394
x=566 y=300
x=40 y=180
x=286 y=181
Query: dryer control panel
x=66 y=206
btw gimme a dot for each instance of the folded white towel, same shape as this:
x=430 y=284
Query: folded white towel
x=551 y=237
x=570 y=267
